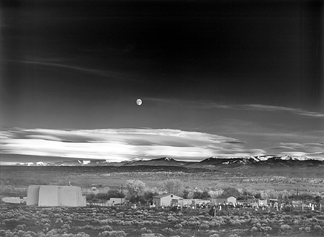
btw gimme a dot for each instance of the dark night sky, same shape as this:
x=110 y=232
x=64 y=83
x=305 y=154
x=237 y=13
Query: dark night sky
x=244 y=70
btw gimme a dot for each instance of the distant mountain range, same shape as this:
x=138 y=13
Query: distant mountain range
x=209 y=163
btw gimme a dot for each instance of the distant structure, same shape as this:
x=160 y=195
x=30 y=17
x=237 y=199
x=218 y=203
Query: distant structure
x=15 y=200
x=223 y=200
x=262 y=202
x=167 y=200
x=54 y=196
x=114 y=201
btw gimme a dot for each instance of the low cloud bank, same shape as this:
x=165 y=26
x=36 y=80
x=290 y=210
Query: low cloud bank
x=122 y=144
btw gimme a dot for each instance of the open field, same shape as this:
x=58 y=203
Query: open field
x=19 y=177
x=26 y=221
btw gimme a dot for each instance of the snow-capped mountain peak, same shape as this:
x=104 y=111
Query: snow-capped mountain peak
x=166 y=159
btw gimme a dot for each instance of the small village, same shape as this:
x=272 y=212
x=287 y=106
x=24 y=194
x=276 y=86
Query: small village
x=73 y=211
x=72 y=196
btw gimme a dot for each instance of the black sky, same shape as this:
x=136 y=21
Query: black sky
x=82 y=64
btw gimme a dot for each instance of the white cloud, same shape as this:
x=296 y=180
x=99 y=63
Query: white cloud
x=280 y=108
x=310 y=150
x=292 y=145
x=126 y=144
x=45 y=137
x=121 y=144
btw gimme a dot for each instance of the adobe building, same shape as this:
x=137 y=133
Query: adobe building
x=32 y=195
x=114 y=201
x=53 y=196
x=167 y=200
x=262 y=202
x=224 y=200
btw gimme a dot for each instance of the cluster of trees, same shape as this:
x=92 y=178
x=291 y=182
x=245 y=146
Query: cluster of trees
x=195 y=195
x=305 y=197
x=113 y=193
x=137 y=192
x=174 y=186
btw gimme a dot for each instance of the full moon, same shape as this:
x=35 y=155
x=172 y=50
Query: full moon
x=139 y=102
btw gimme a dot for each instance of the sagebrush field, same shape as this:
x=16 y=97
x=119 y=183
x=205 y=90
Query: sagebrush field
x=27 y=221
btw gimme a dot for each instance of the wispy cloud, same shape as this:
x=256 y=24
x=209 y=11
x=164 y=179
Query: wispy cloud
x=267 y=108
x=121 y=144
x=311 y=150
x=55 y=63
x=302 y=147
x=279 y=108
x=250 y=107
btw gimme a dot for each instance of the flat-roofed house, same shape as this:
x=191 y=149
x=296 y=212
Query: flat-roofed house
x=224 y=200
x=114 y=201
x=167 y=199
x=262 y=202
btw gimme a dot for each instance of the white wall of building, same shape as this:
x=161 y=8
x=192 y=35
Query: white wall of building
x=113 y=201
x=166 y=200
x=48 y=196
x=231 y=200
x=32 y=195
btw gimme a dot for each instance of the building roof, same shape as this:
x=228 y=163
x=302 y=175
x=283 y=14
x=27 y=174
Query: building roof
x=225 y=197
x=54 y=186
x=165 y=195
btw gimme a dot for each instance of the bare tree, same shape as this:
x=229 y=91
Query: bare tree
x=174 y=186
